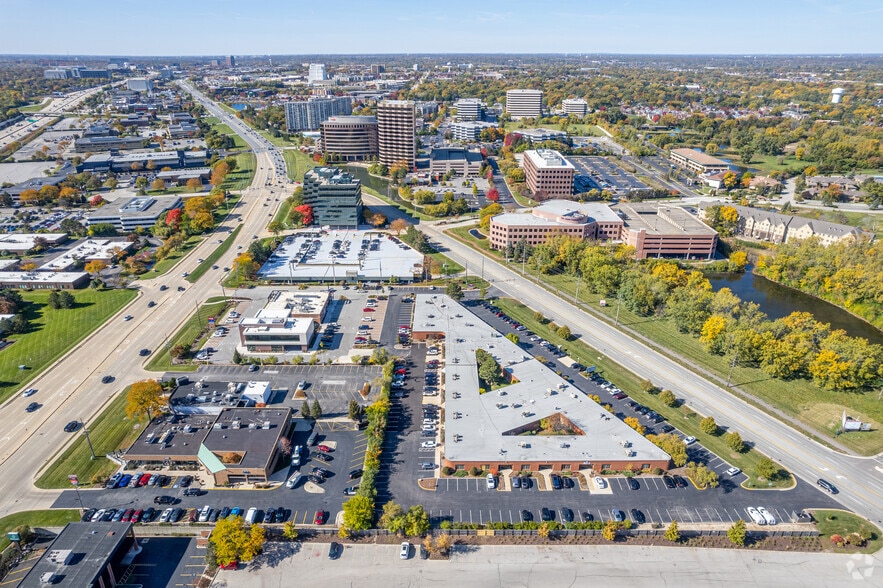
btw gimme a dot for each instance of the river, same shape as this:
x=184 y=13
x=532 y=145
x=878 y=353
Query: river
x=778 y=301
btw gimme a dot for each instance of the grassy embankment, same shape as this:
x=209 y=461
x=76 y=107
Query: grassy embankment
x=192 y=334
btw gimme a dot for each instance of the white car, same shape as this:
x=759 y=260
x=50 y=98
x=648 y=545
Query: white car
x=166 y=515
x=428 y=445
x=689 y=440
x=29 y=392
x=491 y=482
x=733 y=471
x=600 y=482
x=755 y=516
x=204 y=513
x=405 y=551
x=769 y=518
x=292 y=481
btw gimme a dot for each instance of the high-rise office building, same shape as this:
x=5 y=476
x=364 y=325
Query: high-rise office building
x=307 y=116
x=469 y=108
x=349 y=138
x=396 y=138
x=334 y=195
x=317 y=73
x=231 y=61
x=575 y=106
x=524 y=103
x=548 y=174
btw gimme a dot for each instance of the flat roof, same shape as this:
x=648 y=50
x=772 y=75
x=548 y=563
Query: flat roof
x=87 y=249
x=173 y=435
x=484 y=423
x=25 y=241
x=658 y=219
x=251 y=433
x=595 y=210
x=699 y=157
x=548 y=159
x=311 y=255
x=37 y=277
x=86 y=547
x=137 y=206
x=525 y=91
x=210 y=397
x=454 y=153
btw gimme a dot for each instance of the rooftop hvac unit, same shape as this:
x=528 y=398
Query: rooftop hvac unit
x=47 y=578
x=266 y=425
x=149 y=438
x=61 y=556
x=252 y=425
x=235 y=424
x=629 y=453
x=218 y=426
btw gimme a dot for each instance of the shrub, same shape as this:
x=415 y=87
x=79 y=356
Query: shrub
x=736 y=533
x=708 y=426
x=475 y=471
x=734 y=441
x=447 y=470
x=668 y=398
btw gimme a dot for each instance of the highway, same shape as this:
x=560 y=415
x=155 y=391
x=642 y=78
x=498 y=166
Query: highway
x=860 y=480
x=72 y=389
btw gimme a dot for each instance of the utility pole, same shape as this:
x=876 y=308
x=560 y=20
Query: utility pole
x=576 y=295
x=88 y=441
x=732 y=365
x=618 y=304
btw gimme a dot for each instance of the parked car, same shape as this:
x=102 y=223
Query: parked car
x=546 y=514
x=319 y=519
x=405 y=550
x=633 y=484
x=669 y=482
x=767 y=516
x=334 y=550
x=638 y=516
x=567 y=515
x=755 y=516
x=600 y=482
x=526 y=516
x=689 y=440
x=556 y=481
x=618 y=515
x=355 y=474
x=148 y=515
x=733 y=471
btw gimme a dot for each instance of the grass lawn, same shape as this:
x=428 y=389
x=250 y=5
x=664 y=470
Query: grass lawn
x=164 y=265
x=840 y=522
x=191 y=334
x=768 y=163
x=871 y=222
x=579 y=129
x=110 y=431
x=819 y=410
x=409 y=211
x=242 y=176
x=682 y=417
x=213 y=257
x=54 y=332
x=35 y=519
x=35 y=107
x=283 y=212
x=297 y=163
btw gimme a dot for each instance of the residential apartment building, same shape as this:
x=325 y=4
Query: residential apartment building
x=349 y=138
x=461 y=162
x=575 y=106
x=698 y=162
x=524 y=103
x=309 y=115
x=548 y=174
x=334 y=195
x=469 y=109
x=396 y=138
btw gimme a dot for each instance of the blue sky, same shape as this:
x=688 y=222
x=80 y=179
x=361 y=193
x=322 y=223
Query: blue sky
x=258 y=27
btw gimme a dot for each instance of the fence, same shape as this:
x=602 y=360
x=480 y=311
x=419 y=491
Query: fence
x=809 y=532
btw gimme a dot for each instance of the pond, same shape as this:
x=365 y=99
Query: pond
x=778 y=301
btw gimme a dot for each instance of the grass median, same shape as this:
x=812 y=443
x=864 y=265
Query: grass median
x=191 y=335
x=682 y=417
x=36 y=519
x=54 y=332
x=213 y=257
x=167 y=263
x=109 y=431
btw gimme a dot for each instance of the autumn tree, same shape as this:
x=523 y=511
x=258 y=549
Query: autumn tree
x=202 y=221
x=734 y=441
x=234 y=541
x=194 y=184
x=672 y=445
x=766 y=469
x=708 y=426
x=416 y=521
x=737 y=533
x=672 y=533
x=635 y=424
x=30 y=197
x=219 y=173
x=144 y=397
x=399 y=225
x=358 y=513
x=378 y=220
x=301 y=216
x=609 y=531
x=158 y=184
x=95 y=266
x=245 y=265
x=668 y=398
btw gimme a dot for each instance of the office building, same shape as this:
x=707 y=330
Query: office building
x=309 y=115
x=469 y=109
x=698 y=162
x=658 y=230
x=396 y=132
x=317 y=73
x=349 y=138
x=139 y=85
x=524 y=103
x=85 y=555
x=548 y=174
x=107 y=250
x=376 y=68
x=57 y=73
x=231 y=61
x=586 y=220
x=575 y=106
x=469 y=130
x=334 y=195
x=454 y=159
x=87 y=144
x=82 y=72
x=128 y=214
x=35 y=280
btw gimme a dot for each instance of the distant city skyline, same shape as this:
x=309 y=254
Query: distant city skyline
x=265 y=27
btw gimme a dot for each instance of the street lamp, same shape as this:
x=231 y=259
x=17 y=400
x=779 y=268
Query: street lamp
x=88 y=441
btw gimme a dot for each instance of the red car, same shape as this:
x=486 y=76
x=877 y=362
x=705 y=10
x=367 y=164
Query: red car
x=401 y=371
x=142 y=481
x=367 y=309
x=127 y=516
x=320 y=517
x=324 y=448
x=136 y=516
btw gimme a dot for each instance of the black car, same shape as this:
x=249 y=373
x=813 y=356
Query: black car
x=180 y=288
x=225 y=512
x=428 y=433
x=827 y=486
x=323 y=472
x=323 y=457
x=355 y=474
x=680 y=482
x=144 y=352
x=567 y=481
x=71 y=426
x=151 y=304
x=163 y=500
x=567 y=515
x=526 y=516
x=638 y=516
x=192 y=492
x=270 y=516
x=213 y=516
x=556 y=482
x=185 y=481
x=633 y=484
x=315 y=479
x=177 y=513
x=669 y=483
x=546 y=514
x=148 y=514
x=87 y=516
x=666 y=428
x=587 y=517
x=334 y=550
x=163 y=288
x=32 y=407
x=281 y=514
x=107 y=379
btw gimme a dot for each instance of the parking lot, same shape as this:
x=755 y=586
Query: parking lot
x=599 y=173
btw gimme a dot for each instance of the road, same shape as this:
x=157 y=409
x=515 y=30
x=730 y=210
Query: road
x=860 y=480
x=72 y=389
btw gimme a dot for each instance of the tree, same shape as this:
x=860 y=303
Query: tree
x=358 y=513
x=194 y=185
x=378 y=220
x=609 y=531
x=564 y=332
x=178 y=351
x=734 y=441
x=355 y=411
x=158 y=184
x=73 y=227
x=736 y=533
x=454 y=290
x=233 y=541
x=141 y=182
x=513 y=337
x=316 y=409
x=393 y=517
x=701 y=475
x=305 y=409
x=634 y=423
x=668 y=398
x=95 y=267
x=416 y=521
x=289 y=531
x=144 y=397
x=301 y=216
x=245 y=265
x=766 y=468
x=202 y=222
x=284 y=446
x=399 y=225
x=672 y=533
x=708 y=426
x=746 y=152
x=276 y=227
x=493 y=195
x=59 y=299
x=712 y=148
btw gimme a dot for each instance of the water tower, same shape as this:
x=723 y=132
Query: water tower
x=836 y=95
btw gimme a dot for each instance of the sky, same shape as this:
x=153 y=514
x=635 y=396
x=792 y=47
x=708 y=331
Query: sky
x=296 y=27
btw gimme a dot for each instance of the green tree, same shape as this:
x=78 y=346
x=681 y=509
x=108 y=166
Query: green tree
x=712 y=148
x=564 y=332
x=393 y=517
x=355 y=411
x=305 y=409
x=316 y=410
x=734 y=441
x=454 y=290
x=513 y=337
x=708 y=426
x=672 y=533
x=416 y=521
x=766 y=469
x=668 y=398
x=237 y=357
x=358 y=513
x=736 y=533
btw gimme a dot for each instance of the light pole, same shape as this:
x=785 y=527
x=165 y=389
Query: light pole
x=88 y=441
x=732 y=365
x=618 y=304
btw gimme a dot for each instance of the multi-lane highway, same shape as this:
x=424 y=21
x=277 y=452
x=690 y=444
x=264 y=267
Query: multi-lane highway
x=860 y=480
x=72 y=388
